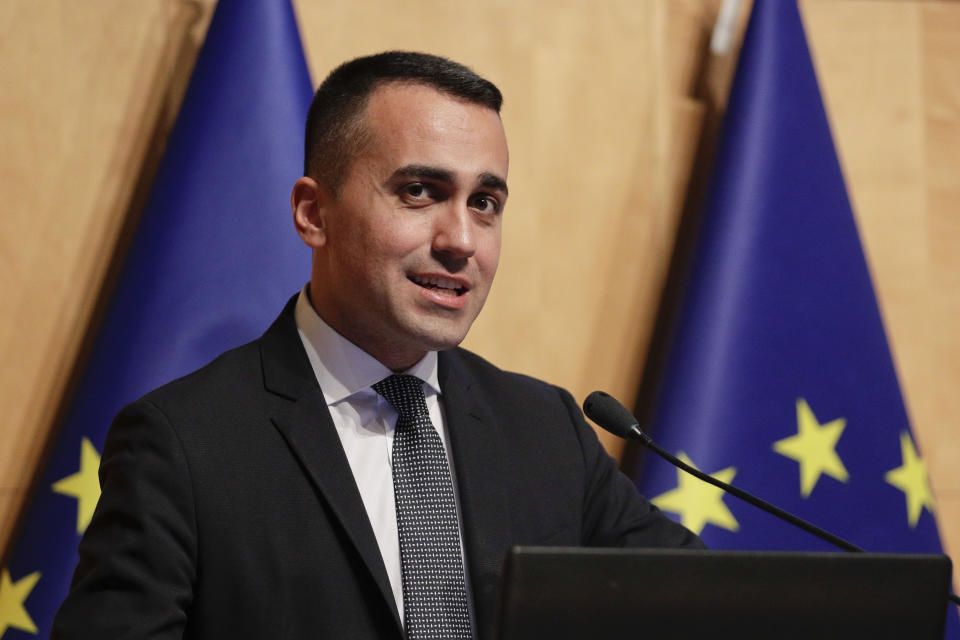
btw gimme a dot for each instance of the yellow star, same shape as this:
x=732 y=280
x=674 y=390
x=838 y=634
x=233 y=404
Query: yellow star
x=697 y=502
x=814 y=447
x=13 y=615
x=83 y=485
x=911 y=478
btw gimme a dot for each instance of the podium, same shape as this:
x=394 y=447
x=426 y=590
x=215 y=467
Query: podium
x=596 y=594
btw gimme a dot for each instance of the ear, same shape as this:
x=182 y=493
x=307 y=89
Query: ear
x=308 y=200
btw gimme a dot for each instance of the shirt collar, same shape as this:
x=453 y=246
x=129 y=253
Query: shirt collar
x=342 y=368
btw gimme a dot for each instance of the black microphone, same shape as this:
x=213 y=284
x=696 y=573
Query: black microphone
x=607 y=412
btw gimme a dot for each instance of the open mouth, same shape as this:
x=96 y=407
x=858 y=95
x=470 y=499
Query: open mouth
x=439 y=284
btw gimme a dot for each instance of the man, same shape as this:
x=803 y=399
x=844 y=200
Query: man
x=295 y=487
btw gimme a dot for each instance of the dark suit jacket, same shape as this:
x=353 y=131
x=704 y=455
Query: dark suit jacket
x=229 y=510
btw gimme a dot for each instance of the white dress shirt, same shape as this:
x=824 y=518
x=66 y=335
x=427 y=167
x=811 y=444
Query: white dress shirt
x=365 y=422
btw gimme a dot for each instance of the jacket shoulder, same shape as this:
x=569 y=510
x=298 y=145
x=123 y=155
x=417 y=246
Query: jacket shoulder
x=227 y=364
x=482 y=368
x=503 y=383
x=232 y=374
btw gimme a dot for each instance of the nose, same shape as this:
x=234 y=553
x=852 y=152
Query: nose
x=454 y=234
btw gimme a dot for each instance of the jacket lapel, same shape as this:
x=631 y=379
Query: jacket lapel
x=477 y=459
x=306 y=425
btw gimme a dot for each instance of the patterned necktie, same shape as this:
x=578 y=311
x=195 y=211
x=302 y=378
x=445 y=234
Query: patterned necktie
x=434 y=593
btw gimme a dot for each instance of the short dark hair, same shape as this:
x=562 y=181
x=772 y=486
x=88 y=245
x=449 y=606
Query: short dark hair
x=335 y=131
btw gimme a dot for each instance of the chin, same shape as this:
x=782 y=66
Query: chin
x=440 y=338
x=442 y=343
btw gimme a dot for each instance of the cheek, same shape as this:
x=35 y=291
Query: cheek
x=366 y=241
x=488 y=255
x=383 y=258
x=401 y=238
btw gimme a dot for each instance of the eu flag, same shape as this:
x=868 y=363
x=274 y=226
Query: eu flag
x=212 y=261
x=778 y=377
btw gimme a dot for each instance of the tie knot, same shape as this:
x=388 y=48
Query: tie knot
x=404 y=393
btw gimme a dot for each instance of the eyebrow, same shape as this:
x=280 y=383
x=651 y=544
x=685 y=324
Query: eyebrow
x=486 y=179
x=423 y=171
x=493 y=181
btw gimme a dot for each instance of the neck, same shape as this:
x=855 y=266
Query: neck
x=398 y=359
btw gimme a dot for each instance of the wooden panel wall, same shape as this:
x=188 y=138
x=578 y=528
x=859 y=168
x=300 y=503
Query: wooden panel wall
x=605 y=104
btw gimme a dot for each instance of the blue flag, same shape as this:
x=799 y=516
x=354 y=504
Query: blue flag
x=778 y=377
x=212 y=262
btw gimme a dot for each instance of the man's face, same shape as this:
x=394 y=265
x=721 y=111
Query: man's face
x=411 y=243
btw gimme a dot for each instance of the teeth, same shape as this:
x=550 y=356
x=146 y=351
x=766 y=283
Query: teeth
x=437 y=281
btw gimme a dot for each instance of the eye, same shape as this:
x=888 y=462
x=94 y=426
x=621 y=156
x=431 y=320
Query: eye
x=485 y=204
x=417 y=192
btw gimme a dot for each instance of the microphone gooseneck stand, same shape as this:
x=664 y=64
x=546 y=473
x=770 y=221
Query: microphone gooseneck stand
x=607 y=412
